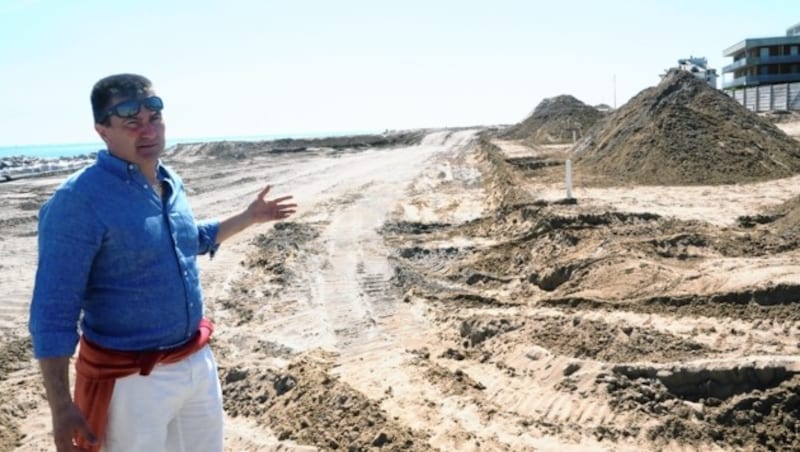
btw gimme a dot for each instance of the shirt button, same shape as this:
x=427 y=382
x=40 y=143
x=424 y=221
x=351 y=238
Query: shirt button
x=185 y=273
x=145 y=186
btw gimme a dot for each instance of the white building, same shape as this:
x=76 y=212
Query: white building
x=699 y=68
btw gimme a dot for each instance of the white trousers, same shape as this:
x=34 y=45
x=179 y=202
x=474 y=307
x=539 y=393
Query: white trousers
x=177 y=408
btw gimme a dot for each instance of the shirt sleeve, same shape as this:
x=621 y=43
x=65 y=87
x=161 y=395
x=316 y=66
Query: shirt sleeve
x=207 y=237
x=69 y=238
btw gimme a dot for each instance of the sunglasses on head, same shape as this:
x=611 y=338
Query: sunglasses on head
x=131 y=108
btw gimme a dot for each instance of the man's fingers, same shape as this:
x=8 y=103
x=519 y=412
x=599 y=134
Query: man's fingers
x=88 y=435
x=83 y=430
x=282 y=198
x=264 y=192
x=276 y=208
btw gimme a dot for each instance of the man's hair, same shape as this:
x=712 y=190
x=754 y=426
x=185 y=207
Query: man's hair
x=119 y=86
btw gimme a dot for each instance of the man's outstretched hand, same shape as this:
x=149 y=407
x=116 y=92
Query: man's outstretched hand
x=262 y=210
x=259 y=211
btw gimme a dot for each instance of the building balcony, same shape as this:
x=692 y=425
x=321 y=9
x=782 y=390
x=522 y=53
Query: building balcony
x=760 y=42
x=760 y=61
x=738 y=64
x=756 y=80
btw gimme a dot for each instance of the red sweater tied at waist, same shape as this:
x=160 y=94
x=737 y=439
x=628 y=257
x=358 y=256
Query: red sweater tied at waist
x=98 y=368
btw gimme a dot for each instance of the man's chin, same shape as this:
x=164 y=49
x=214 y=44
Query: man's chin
x=150 y=152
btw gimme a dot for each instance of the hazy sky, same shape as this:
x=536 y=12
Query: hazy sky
x=248 y=67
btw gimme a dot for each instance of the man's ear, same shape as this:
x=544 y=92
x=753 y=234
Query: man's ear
x=102 y=131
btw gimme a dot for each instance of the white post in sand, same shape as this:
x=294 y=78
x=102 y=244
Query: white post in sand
x=569 y=179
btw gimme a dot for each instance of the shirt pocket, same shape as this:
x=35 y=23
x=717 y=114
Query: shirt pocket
x=185 y=233
x=136 y=244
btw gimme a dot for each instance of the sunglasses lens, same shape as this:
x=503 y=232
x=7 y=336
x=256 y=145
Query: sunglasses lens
x=127 y=109
x=130 y=108
x=153 y=103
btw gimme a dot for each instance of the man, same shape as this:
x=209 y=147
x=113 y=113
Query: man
x=117 y=253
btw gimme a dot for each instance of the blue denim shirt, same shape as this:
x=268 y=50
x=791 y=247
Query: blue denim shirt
x=119 y=259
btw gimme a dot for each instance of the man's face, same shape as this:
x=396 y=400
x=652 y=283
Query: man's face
x=138 y=139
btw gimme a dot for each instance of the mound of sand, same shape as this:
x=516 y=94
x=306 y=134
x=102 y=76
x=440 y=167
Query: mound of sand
x=790 y=219
x=684 y=132
x=554 y=120
x=782 y=221
x=307 y=404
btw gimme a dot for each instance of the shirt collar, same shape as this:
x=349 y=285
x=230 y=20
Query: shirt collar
x=123 y=169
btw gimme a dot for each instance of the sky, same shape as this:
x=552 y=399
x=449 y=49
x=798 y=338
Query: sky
x=268 y=67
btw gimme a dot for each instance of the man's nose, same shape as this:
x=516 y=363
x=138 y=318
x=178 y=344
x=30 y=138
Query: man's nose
x=148 y=129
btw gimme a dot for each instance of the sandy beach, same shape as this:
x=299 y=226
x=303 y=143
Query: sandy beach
x=439 y=292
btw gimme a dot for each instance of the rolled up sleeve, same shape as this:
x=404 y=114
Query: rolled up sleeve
x=69 y=238
x=207 y=237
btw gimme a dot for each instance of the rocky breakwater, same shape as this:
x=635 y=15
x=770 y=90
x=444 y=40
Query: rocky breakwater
x=242 y=149
x=19 y=167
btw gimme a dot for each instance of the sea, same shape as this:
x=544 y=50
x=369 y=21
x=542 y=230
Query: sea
x=52 y=151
